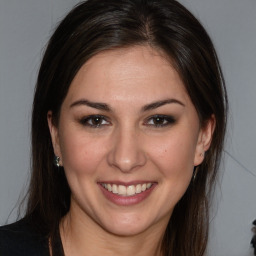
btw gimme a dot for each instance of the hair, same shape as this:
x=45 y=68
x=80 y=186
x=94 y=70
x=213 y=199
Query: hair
x=94 y=26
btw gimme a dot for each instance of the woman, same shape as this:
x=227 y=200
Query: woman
x=130 y=104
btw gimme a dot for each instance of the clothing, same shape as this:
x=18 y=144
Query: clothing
x=21 y=239
x=253 y=242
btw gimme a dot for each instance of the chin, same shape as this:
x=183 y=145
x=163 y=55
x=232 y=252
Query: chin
x=128 y=225
x=126 y=230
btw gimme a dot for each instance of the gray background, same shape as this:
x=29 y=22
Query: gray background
x=25 y=27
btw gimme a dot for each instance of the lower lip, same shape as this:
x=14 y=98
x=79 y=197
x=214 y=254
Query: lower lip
x=127 y=200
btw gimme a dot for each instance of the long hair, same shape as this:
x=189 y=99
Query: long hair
x=94 y=26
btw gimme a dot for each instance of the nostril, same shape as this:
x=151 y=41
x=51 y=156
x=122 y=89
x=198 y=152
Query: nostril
x=126 y=161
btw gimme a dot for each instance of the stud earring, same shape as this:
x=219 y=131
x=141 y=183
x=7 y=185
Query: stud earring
x=56 y=161
x=202 y=154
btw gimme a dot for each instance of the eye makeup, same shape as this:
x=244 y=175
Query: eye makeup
x=159 y=121
x=155 y=121
x=94 y=121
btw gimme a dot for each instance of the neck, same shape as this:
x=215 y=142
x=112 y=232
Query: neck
x=82 y=236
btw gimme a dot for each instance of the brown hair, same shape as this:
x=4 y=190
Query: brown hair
x=94 y=26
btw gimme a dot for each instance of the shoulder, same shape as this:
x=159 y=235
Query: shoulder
x=20 y=238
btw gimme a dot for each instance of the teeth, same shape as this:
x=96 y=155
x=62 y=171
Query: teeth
x=109 y=188
x=114 y=189
x=122 y=190
x=130 y=190
x=138 y=189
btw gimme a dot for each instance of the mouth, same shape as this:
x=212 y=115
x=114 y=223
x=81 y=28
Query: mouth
x=127 y=191
x=124 y=194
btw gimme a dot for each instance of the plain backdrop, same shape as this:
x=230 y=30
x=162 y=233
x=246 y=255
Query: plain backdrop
x=25 y=27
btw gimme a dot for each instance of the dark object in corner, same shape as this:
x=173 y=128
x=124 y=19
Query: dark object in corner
x=253 y=242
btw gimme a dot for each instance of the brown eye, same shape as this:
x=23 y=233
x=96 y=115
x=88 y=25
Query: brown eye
x=160 y=120
x=95 y=121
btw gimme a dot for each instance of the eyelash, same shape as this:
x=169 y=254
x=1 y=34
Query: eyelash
x=166 y=121
x=86 y=121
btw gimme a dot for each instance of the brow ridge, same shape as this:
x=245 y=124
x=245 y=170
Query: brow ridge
x=160 y=103
x=96 y=105
x=106 y=107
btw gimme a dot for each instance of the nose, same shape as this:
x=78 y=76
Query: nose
x=126 y=153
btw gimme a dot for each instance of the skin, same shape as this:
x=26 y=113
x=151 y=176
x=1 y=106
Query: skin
x=128 y=145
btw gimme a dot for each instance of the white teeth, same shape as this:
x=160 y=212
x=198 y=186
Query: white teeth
x=138 y=189
x=121 y=190
x=114 y=189
x=109 y=188
x=130 y=190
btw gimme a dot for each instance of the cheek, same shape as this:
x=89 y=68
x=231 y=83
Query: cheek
x=174 y=155
x=81 y=154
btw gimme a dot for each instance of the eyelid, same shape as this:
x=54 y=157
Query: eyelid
x=85 y=121
x=169 y=120
x=163 y=121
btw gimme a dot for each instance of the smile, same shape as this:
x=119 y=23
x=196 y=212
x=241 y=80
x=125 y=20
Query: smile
x=126 y=191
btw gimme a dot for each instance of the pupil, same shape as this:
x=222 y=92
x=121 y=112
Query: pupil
x=158 y=120
x=96 y=120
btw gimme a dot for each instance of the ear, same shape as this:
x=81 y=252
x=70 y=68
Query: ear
x=54 y=135
x=204 y=140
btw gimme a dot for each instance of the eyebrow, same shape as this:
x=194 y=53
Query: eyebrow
x=106 y=107
x=160 y=103
x=97 y=105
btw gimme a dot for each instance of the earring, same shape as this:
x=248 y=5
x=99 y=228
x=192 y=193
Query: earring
x=202 y=154
x=194 y=173
x=56 y=161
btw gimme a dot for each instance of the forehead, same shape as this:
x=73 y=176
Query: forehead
x=138 y=72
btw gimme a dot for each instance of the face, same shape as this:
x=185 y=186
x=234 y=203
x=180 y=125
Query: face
x=128 y=138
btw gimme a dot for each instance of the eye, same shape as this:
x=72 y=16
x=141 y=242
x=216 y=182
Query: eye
x=95 y=121
x=160 y=120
